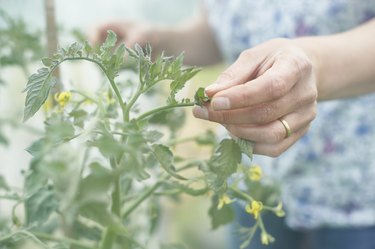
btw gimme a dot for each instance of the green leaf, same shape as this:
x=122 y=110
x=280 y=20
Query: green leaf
x=34 y=181
x=165 y=158
x=119 y=56
x=208 y=138
x=107 y=145
x=3 y=184
x=47 y=61
x=226 y=158
x=200 y=97
x=153 y=136
x=183 y=75
x=79 y=117
x=246 y=146
x=96 y=185
x=38 y=88
x=222 y=165
x=173 y=119
x=3 y=139
x=39 y=206
x=83 y=230
x=135 y=164
x=222 y=216
x=108 y=45
x=87 y=48
x=132 y=52
x=36 y=147
x=98 y=212
x=148 y=49
x=58 y=130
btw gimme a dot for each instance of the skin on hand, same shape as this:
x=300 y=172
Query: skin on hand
x=127 y=31
x=194 y=37
x=271 y=81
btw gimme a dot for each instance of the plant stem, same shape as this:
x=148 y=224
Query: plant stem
x=251 y=235
x=111 y=81
x=26 y=233
x=132 y=102
x=10 y=197
x=141 y=198
x=84 y=95
x=246 y=196
x=176 y=141
x=109 y=237
x=116 y=195
x=64 y=240
x=162 y=108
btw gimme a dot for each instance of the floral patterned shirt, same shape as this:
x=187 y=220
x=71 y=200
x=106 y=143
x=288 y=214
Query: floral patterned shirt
x=328 y=177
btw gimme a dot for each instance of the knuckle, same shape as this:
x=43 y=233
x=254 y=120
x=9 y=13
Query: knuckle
x=246 y=53
x=242 y=96
x=312 y=95
x=275 y=135
x=264 y=114
x=313 y=113
x=227 y=75
x=277 y=87
x=275 y=151
x=222 y=117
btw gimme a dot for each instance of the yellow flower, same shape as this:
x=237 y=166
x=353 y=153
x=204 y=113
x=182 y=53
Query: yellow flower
x=255 y=208
x=48 y=105
x=63 y=98
x=264 y=238
x=255 y=173
x=224 y=200
x=279 y=211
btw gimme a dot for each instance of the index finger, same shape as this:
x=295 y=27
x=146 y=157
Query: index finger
x=277 y=81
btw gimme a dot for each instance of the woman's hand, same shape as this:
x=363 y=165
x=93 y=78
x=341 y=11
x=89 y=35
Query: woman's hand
x=271 y=82
x=128 y=32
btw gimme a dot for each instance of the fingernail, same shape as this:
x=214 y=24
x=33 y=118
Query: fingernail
x=212 y=87
x=200 y=112
x=220 y=103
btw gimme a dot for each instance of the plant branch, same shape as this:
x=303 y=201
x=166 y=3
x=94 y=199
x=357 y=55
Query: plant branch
x=142 y=197
x=242 y=194
x=27 y=234
x=132 y=101
x=73 y=242
x=162 y=108
x=111 y=81
x=109 y=237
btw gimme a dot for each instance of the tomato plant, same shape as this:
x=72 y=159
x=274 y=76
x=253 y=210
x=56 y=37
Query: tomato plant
x=102 y=161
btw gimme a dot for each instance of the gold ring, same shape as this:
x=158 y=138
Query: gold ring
x=288 y=131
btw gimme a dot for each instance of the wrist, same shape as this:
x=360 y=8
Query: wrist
x=310 y=46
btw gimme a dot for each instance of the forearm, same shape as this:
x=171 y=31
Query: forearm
x=195 y=38
x=344 y=62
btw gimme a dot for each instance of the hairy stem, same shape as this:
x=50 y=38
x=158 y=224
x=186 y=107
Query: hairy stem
x=72 y=242
x=141 y=198
x=242 y=194
x=132 y=101
x=109 y=237
x=161 y=109
x=111 y=81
